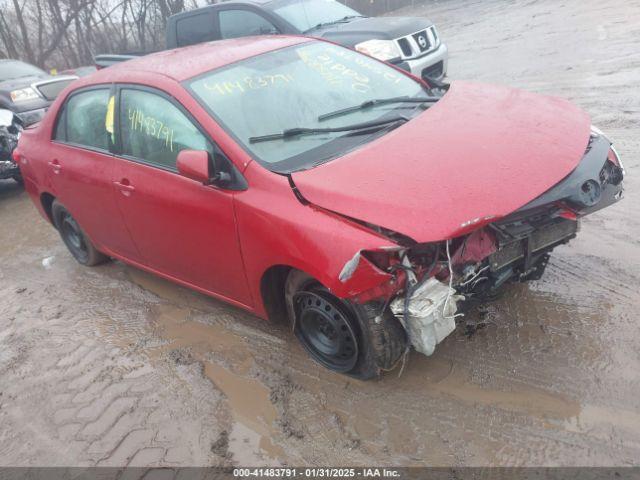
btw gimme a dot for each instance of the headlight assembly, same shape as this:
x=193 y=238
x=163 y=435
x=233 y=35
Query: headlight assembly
x=384 y=50
x=613 y=155
x=23 y=95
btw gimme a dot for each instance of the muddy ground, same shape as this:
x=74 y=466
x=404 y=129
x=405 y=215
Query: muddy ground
x=112 y=366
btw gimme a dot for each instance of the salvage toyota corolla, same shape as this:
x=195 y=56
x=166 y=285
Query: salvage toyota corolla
x=299 y=179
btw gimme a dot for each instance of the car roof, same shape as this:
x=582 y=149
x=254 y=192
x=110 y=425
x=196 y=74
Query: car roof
x=183 y=63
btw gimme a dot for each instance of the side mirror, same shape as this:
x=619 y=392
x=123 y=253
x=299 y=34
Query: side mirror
x=194 y=164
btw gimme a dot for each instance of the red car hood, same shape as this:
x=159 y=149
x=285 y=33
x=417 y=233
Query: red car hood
x=480 y=153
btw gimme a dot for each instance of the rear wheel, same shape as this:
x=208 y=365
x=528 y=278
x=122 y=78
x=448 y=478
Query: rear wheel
x=74 y=237
x=339 y=335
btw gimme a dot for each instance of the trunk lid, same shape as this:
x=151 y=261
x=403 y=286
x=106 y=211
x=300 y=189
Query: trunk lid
x=480 y=153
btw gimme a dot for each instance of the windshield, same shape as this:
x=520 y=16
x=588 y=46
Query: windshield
x=15 y=69
x=306 y=14
x=291 y=88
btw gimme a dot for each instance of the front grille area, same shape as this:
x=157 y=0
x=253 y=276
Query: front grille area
x=405 y=47
x=535 y=241
x=422 y=41
x=418 y=43
x=434 y=71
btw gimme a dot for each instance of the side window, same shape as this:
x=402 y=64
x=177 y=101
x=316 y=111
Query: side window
x=242 y=23
x=195 y=29
x=154 y=130
x=84 y=117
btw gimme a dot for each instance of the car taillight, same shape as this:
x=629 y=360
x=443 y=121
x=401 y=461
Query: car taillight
x=16 y=156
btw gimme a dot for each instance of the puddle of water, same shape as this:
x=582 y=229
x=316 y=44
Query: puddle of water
x=176 y=326
x=253 y=411
x=248 y=447
x=170 y=291
x=248 y=398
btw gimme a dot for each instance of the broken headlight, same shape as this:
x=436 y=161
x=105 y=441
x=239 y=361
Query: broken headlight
x=612 y=156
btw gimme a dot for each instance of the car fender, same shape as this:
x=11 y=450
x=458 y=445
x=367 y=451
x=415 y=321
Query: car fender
x=277 y=229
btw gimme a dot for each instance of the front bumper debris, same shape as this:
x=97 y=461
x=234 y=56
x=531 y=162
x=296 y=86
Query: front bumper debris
x=430 y=314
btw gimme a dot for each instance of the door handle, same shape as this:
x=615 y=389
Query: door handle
x=55 y=166
x=125 y=187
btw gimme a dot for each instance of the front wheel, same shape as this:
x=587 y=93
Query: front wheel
x=339 y=335
x=74 y=237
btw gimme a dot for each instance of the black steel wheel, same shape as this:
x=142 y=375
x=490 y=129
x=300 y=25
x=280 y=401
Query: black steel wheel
x=325 y=329
x=74 y=238
x=341 y=335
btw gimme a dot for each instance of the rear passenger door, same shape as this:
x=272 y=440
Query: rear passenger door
x=81 y=167
x=183 y=229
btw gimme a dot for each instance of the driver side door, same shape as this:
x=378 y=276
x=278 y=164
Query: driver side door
x=183 y=229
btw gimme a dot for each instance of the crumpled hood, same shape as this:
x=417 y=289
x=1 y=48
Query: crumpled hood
x=480 y=153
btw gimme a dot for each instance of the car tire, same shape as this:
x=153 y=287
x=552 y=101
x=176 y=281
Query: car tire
x=338 y=334
x=74 y=237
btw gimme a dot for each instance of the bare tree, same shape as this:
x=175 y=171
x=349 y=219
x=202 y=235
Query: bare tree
x=65 y=33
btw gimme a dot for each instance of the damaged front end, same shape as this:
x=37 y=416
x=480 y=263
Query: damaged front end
x=431 y=284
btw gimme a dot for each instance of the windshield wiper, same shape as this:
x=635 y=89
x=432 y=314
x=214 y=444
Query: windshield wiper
x=373 y=103
x=294 y=132
x=334 y=22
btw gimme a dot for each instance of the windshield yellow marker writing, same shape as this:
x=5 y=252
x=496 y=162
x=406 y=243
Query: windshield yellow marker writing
x=249 y=83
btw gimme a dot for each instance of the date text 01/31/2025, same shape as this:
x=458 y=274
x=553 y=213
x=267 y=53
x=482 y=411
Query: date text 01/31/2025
x=316 y=472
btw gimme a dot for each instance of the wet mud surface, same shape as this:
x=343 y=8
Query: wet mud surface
x=112 y=366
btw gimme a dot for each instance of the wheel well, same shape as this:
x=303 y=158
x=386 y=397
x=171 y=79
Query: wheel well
x=272 y=291
x=47 y=200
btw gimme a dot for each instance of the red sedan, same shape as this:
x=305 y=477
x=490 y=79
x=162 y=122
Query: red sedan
x=298 y=179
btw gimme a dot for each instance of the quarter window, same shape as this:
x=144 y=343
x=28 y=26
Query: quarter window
x=154 y=130
x=83 y=120
x=243 y=23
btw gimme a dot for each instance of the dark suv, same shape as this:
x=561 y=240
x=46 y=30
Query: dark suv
x=27 y=90
x=411 y=43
